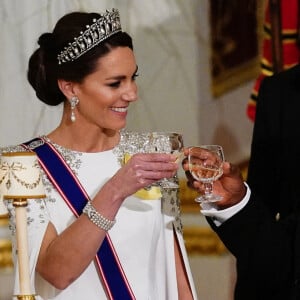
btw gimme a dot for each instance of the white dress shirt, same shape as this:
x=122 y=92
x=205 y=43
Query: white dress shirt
x=220 y=216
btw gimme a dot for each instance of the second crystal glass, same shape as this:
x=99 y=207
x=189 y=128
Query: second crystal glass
x=205 y=164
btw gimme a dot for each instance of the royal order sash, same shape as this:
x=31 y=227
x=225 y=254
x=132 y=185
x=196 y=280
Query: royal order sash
x=69 y=187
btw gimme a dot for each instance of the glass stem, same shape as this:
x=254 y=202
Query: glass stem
x=208 y=188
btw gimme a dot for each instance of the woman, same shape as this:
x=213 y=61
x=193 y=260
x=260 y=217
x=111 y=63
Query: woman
x=88 y=63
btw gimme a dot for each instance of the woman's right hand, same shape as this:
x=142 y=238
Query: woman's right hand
x=142 y=170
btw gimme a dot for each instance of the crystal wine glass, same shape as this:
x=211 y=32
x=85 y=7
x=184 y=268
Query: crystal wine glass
x=205 y=165
x=166 y=142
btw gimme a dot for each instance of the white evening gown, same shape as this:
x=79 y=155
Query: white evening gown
x=143 y=235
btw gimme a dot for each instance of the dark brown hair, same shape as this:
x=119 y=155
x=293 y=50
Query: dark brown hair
x=43 y=68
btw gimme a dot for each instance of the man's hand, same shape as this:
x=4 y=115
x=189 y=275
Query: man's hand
x=230 y=185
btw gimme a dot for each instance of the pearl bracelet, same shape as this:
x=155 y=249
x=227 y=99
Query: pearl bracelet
x=97 y=218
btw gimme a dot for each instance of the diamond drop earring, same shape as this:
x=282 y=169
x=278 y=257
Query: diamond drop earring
x=73 y=102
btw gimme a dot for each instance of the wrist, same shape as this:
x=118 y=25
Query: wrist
x=96 y=218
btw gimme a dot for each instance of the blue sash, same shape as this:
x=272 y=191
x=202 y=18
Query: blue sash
x=67 y=184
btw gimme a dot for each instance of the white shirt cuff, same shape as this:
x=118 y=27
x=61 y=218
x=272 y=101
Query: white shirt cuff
x=220 y=216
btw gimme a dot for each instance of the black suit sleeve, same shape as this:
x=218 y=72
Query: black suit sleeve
x=263 y=249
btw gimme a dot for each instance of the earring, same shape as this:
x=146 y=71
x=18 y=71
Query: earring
x=73 y=101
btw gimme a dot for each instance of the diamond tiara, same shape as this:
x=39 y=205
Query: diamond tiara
x=102 y=28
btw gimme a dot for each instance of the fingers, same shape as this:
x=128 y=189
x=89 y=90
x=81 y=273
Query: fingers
x=232 y=170
x=185 y=164
x=186 y=151
x=156 y=157
x=152 y=166
x=154 y=162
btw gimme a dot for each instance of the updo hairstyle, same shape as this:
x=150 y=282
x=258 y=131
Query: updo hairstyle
x=43 y=68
